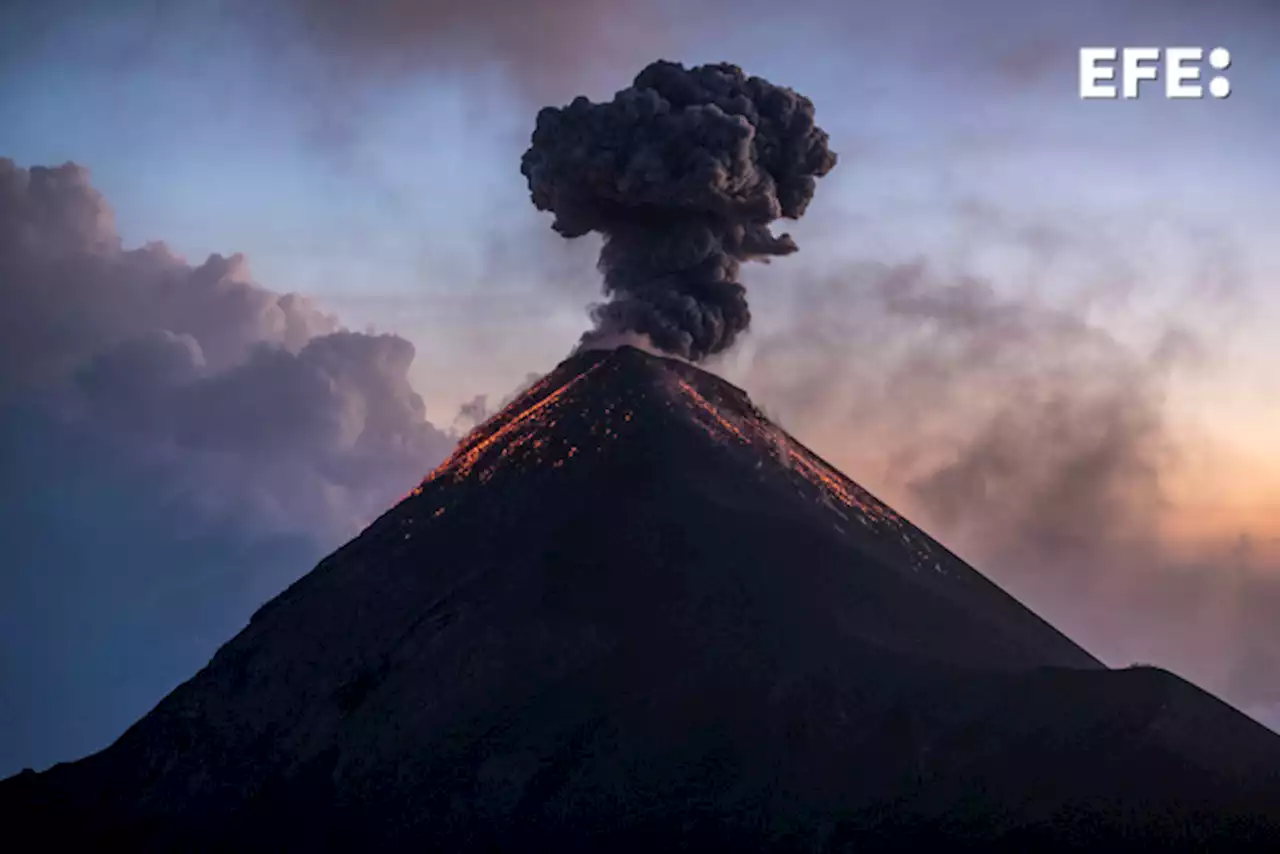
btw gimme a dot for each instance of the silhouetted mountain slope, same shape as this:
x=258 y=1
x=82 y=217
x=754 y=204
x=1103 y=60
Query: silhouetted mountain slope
x=630 y=613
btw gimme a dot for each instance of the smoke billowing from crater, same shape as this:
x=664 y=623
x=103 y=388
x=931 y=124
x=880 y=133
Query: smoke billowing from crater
x=683 y=174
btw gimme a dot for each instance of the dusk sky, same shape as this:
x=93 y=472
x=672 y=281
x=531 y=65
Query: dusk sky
x=1042 y=328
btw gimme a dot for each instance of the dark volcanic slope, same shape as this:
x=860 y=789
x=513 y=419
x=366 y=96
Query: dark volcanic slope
x=631 y=612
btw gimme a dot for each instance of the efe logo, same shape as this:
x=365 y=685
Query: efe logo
x=1180 y=71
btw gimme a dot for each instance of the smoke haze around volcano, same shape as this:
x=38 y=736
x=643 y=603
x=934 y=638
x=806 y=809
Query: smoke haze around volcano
x=683 y=173
x=1039 y=446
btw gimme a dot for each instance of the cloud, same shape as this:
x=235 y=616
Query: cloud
x=70 y=290
x=201 y=364
x=179 y=443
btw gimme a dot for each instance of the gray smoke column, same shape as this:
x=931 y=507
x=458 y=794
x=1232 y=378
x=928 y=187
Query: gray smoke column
x=682 y=173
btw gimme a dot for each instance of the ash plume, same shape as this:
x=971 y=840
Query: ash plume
x=683 y=173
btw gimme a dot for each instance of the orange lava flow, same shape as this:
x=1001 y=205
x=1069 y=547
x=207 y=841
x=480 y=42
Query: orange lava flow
x=461 y=463
x=819 y=476
x=919 y=549
x=706 y=407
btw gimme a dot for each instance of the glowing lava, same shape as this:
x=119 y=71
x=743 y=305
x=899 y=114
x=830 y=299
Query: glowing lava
x=526 y=427
x=568 y=413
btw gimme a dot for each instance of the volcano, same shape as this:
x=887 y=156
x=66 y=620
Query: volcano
x=631 y=613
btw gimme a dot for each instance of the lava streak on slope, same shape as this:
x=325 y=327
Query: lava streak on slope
x=521 y=432
x=705 y=408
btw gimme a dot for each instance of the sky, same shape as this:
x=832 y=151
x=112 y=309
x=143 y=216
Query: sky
x=295 y=247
